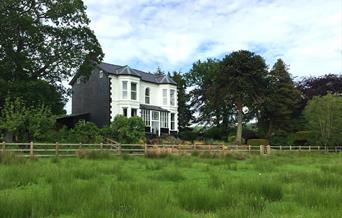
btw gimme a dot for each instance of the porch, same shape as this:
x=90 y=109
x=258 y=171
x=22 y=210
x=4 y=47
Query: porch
x=157 y=120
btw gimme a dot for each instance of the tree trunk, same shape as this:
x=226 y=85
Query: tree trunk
x=239 y=125
x=270 y=129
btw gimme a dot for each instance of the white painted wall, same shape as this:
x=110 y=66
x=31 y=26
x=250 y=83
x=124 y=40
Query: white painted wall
x=156 y=96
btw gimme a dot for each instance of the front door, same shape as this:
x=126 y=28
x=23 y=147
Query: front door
x=155 y=122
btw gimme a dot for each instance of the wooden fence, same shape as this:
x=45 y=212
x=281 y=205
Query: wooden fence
x=68 y=149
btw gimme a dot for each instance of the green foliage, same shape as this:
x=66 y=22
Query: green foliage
x=189 y=135
x=324 y=119
x=280 y=102
x=46 y=39
x=43 y=43
x=85 y=132
x=25 y=123
x=185 y=114
x=128 y=130
x=302 y=136
x=257 y=142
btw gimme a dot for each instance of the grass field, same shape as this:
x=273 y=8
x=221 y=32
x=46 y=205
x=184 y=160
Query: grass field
x=287 y=185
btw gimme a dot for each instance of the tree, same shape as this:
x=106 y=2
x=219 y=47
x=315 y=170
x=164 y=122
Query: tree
x=204 y=94
x=34 y=93
x=46 y=40
x=317 y=86
x=242 y=82
x=128 y=130
x=159 y=72
x=281 y=98
x=184 y=110
x=324 y=119
x=25 y=123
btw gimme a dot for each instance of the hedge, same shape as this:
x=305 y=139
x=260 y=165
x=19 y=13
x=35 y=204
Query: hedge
x=257 y=142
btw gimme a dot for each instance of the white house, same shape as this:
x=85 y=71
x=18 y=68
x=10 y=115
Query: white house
x=115 y=90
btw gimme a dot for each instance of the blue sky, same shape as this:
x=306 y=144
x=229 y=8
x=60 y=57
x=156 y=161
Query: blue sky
x=173 y=34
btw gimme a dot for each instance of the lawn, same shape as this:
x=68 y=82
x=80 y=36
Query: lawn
x=286 y=185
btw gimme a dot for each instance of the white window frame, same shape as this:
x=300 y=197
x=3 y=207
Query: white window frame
x=136 y=110
x=124 y=89
x=101 y=74
x=172 y=97
x=146 y=116
x=164 y=120
x=164 y=96
x=134 y=92
x=147 y=96
x=173 y=121
x=123 y=111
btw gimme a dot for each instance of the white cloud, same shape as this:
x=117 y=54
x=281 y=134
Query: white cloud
x=174 y=34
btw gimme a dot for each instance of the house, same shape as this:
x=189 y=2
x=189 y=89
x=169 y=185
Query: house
x=113 y=90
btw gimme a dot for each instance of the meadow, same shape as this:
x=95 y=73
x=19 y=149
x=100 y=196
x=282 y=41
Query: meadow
x=238 y=185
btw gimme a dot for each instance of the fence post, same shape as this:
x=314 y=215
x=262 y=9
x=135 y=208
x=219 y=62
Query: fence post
x=310 y=148
x=290 y=147
x=261 y=149
x=57 y=149
x=280 y=147
x=318 y=148
x=101 y=146
x=119 y=149
x=145 y=149
x=31 y=150
x=268 y=149
x=249 y=148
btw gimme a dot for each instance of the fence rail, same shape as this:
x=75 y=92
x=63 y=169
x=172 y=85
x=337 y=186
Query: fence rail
x=31 y=149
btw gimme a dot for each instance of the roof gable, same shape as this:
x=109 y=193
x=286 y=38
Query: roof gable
x=126 y=70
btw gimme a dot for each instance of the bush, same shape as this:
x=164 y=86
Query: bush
x=128 y=130
x=217 y=133
x=302 y=136
x=257 y=142
x=282 y=139
x=188 y=135
x=85 y=132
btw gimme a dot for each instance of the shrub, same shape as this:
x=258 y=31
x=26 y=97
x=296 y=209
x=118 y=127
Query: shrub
x=128 y=130
x=188 y=135
x=302 y=136
x=85 y=132
x=257 y=142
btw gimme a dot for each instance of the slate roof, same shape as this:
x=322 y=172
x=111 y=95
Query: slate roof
x=152 y=107
x=126 y=70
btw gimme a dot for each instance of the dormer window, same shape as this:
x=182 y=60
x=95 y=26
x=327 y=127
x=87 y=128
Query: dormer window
x=78 y=80
x=101 y=74
x=147 y=96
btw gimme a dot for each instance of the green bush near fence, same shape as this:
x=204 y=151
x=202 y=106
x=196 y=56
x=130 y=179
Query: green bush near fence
x=257 y=142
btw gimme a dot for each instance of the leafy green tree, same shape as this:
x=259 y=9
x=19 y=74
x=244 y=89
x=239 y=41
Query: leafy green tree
x=128 y=130
x=45 y=40
x=34 y=93
x=280 y=102
x=184 y=109
x=85 y=132
x=205 y=94
x=25 y=123
x=242 y=82
x=324 y=119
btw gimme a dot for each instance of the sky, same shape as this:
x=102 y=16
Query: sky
x=146 y=34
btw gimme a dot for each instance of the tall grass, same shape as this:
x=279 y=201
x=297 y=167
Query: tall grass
x=173 y=187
